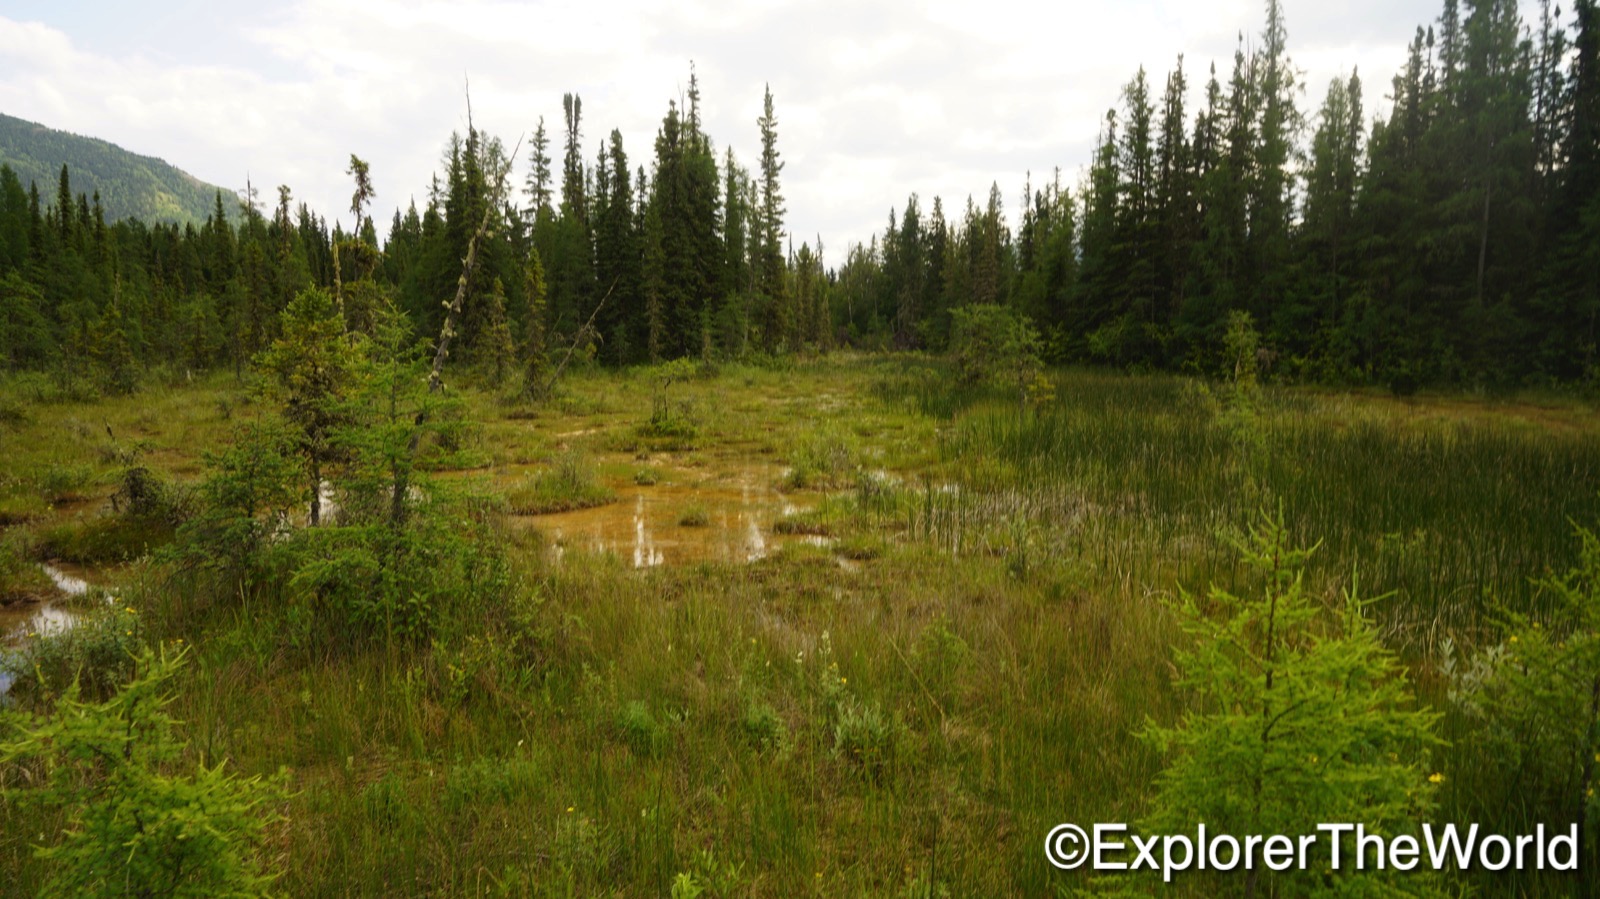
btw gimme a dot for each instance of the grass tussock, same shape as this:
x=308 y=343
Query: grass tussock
x=569 y=483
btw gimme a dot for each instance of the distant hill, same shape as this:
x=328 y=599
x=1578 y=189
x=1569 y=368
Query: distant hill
x=129 y=184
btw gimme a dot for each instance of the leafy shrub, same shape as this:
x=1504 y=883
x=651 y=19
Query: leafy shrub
x=96 y=652
x=866 y=738
x=247 y=498
x=1346 y=741
x=143 y=494
x=672 y=424
x=763 y=728
x=1532 y=698
x=361 y=582
x=993 y=344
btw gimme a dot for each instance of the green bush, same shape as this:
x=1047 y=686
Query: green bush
x=1532 y=699
x=60 y=483
x=993 y=344
x=141 y=823
x=94 y=654
x=826 y=459
x=866 y=738
x=1297 y=716
x=361 y=582
x=763 y=727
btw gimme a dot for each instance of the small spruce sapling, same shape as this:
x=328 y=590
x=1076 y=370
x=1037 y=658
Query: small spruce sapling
x=139 y=823
x=1298 y=716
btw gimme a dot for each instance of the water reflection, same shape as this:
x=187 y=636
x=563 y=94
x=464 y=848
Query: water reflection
x=23 y=621
x=19 y=620
x=730 y=521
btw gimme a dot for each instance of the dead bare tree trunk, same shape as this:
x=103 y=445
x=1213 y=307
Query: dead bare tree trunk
x=447 y=333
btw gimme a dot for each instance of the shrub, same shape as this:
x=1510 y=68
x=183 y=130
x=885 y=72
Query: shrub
x=140 y=824
x=1534 y=698
x=95 y=655
x=825 y=459
x=866 y=738
x=61 y=483
x=763 y=728
x=991 y=343
x=1297 y=717
x=248 y=496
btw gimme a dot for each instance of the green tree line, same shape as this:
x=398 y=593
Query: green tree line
x=1454 y=240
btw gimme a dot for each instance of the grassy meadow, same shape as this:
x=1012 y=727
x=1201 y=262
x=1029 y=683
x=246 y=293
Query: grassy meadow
x=835 y=628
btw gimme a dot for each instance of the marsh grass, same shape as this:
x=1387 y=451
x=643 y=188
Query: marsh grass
x=21 y=579
x=569 y=483
x=912 y=723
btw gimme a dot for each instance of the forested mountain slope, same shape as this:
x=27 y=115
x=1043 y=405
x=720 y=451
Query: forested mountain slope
x=130 y=185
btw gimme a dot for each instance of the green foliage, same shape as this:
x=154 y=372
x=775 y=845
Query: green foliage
x=132 y=185
x=111 y=538
x=355 y=583
x=1297 y=716
x=639 y=729
x=20 y=577
x=1535 y=700
x=60 y=483
x=94 y=653
x=672 y=424
x=569 y=483
x=763 y=727
x=866 y=738
x=140 y=824
x=825 y=458
x=313 y=368
x=990 y=343
x=248 y=497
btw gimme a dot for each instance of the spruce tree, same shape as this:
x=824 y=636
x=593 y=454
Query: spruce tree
x=769 y=267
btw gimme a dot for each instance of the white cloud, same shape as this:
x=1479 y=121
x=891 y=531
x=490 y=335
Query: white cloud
x=874 y=100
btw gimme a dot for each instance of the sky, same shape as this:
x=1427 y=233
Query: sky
x=874 y=100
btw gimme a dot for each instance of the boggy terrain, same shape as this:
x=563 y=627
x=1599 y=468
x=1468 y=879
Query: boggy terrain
x=832 y=628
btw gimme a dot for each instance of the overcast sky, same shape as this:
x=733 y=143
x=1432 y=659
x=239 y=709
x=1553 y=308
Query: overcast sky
x=874 y=100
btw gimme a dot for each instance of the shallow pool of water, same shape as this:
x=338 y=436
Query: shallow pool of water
x=20 y=620
x=732 y=519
